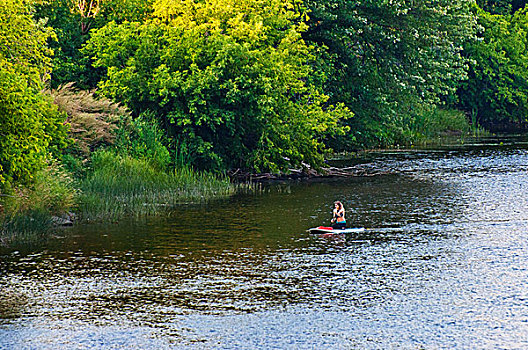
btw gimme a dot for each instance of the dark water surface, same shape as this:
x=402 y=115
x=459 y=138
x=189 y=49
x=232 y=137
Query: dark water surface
x=443 y=265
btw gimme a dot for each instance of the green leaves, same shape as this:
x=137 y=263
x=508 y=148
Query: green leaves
x=497 y=92
x=226 y=78
x=30 y=126
x=23 y=41
x=390 y=56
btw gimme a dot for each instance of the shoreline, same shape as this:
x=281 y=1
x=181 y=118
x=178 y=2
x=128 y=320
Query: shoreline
x=31 y=225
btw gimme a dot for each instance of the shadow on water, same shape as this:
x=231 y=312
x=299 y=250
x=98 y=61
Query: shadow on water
x=441 y=265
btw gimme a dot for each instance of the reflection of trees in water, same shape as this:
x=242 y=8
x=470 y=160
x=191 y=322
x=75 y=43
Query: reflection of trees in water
x=12 y=303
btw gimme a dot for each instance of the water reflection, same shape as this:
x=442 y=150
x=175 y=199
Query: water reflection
x=441 y=265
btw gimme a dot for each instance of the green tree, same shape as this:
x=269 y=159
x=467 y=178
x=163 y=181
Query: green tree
x=72 y=21
x=68 y=64
x=497 y=91
x=228 y=79
x=120 y=11
x=30 y=125
x=385 y=59
x=501 y=7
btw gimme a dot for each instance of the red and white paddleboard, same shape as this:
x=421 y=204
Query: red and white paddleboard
x=330 y=230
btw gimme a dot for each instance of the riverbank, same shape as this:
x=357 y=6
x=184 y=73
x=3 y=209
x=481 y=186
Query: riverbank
x=116 y=187
x=446 y=242
x=121 y=186
x=352 y=164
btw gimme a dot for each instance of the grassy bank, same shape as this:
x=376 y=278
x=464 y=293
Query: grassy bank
x=123 y=186
x=27 y=212
x=437 y=126
x=114 y=187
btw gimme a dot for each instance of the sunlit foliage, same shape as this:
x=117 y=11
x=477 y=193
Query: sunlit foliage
x=72 y=21
x=497 y=93
x=227 y=79
x=30 y=126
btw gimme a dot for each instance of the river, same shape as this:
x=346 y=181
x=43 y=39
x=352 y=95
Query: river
x=442 y=265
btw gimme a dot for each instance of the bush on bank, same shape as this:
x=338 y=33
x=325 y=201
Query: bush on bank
x=114 y=166
x=30 y=125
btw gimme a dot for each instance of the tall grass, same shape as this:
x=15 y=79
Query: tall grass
x=116 y=186
x=123 y=186
x=25 y=226
x=433 y=125
x=26 y=212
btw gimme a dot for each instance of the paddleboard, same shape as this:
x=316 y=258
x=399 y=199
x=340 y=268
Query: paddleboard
x=330 y=230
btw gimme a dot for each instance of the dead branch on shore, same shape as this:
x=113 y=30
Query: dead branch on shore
x=307 y=173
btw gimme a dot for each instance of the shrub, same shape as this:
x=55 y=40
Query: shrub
x=93 y=120
x=52 y=191
x=30 y=126
x=26 y=211
x=142 y=138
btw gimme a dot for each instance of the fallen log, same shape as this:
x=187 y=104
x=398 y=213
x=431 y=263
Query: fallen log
x=307 y=173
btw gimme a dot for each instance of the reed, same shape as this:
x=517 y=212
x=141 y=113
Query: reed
x=26 y=212
x=431 y=125
x=25 y=226
x=123 y=186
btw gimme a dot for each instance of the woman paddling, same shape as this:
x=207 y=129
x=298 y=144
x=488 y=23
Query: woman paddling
x=338 y=220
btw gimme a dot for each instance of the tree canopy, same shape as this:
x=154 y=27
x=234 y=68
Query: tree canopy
x=497 y=91
x=30 y=126
x=501 y=7
x=385 y=59
x=227 y=79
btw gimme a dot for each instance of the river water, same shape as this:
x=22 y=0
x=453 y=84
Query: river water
x=442 y=265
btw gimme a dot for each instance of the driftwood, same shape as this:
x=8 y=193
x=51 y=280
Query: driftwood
x=307 y=173
x=356 y=171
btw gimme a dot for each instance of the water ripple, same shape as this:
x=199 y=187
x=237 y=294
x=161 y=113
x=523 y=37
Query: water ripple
x=442 y=265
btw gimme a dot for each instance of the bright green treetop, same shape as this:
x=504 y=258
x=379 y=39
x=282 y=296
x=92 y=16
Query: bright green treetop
x=30 y=127
x=226 y=78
